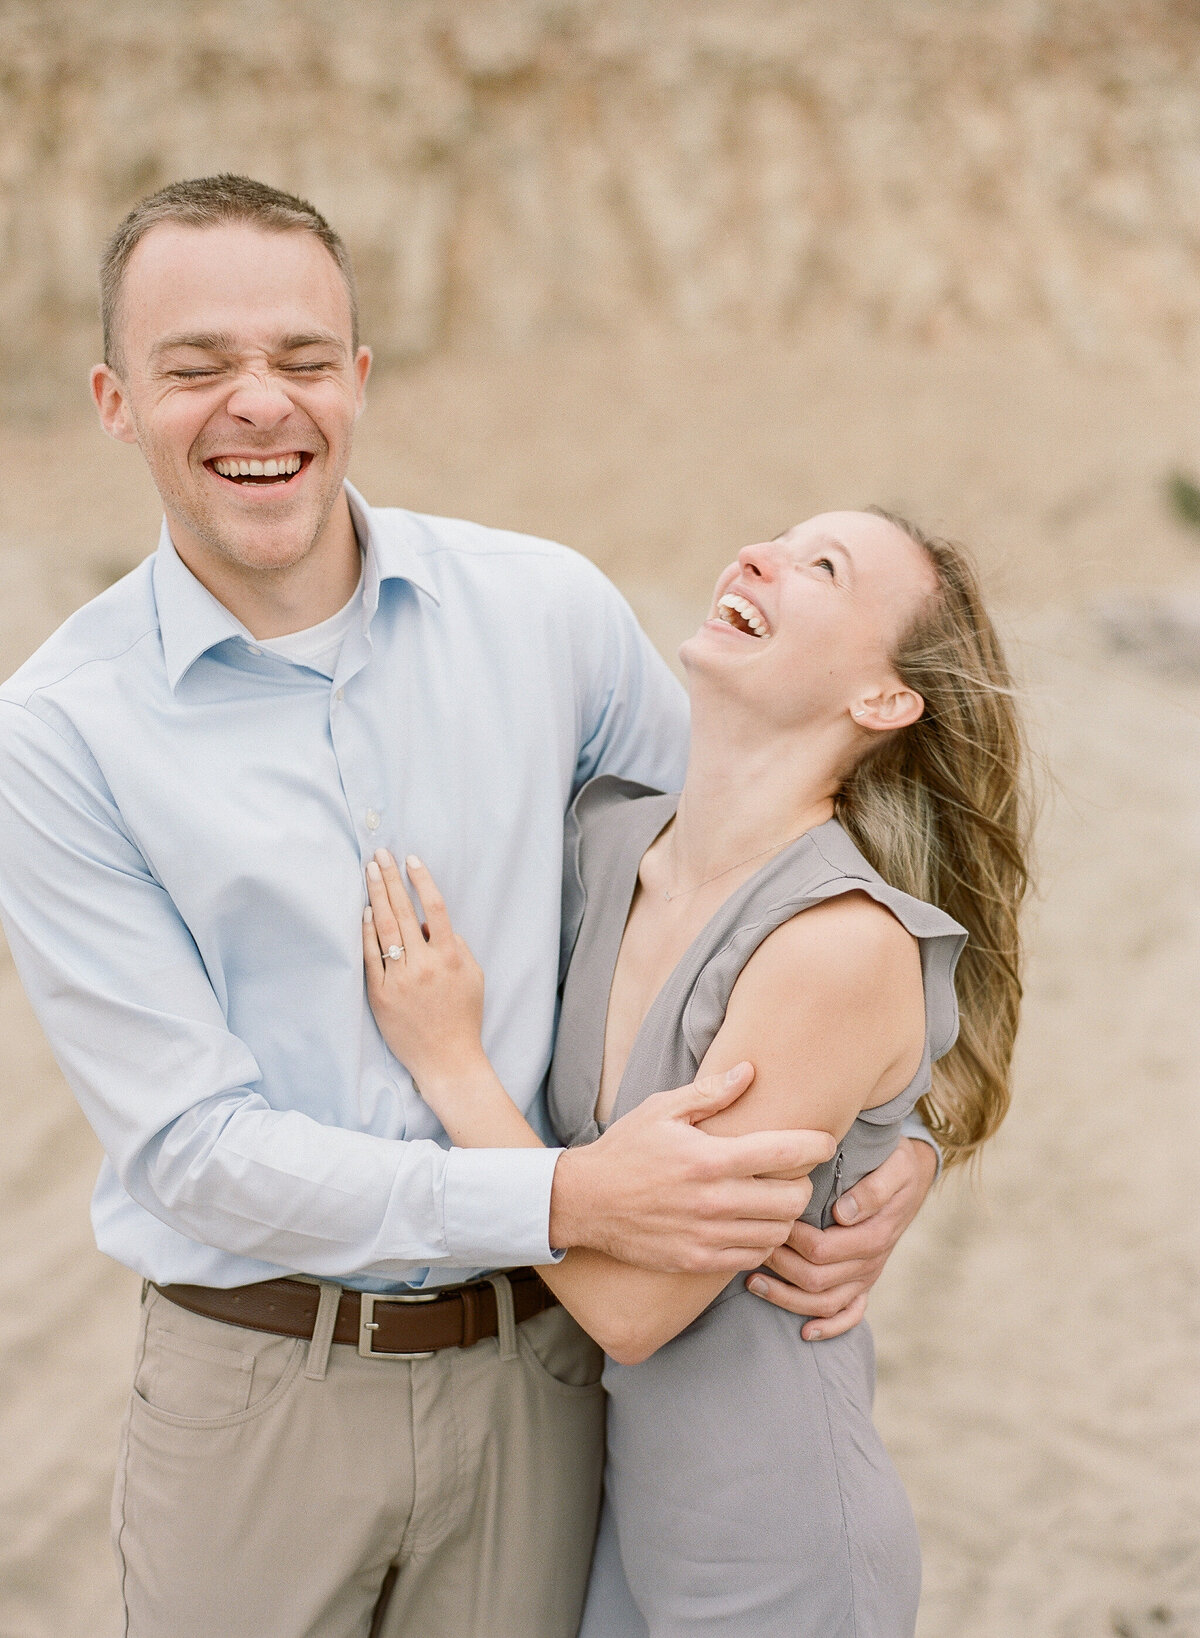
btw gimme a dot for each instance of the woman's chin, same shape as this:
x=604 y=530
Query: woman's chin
x=714 y=643
x=693 y=651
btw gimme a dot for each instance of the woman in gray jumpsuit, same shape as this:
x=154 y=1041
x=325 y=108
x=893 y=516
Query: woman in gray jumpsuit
x=747 y=1490
x=852 y=716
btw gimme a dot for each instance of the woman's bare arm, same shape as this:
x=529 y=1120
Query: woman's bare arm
x=836 y=990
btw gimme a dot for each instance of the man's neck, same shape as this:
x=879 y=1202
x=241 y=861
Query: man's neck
x=277 y=602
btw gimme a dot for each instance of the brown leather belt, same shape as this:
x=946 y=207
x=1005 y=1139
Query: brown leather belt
x=403 y=1325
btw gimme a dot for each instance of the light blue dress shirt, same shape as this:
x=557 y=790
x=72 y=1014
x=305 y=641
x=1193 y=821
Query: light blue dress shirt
x=184 y=822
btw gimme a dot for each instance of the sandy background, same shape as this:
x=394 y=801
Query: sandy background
x=653 y=281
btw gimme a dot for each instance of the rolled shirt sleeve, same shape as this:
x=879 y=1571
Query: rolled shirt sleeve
x=175 y=1098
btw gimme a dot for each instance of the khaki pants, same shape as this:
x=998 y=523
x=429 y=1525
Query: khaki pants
x=265 y=1492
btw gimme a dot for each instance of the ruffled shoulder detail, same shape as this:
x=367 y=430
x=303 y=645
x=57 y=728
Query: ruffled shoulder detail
x=821 y=865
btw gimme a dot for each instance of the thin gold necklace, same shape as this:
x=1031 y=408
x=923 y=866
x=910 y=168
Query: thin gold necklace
x=775 y=847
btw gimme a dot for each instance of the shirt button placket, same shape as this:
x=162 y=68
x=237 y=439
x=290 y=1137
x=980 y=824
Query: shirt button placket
x=349 y=757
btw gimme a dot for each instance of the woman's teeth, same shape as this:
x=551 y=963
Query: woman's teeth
x=741 y=614
x=284 y=466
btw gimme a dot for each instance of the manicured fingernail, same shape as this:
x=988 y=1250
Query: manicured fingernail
x=815 y=1334
x=413 y=862
x=384 y=857
x=758 y=1285
x=368 y=915
x=734 y=1074
x=847 y=1208
x=374 y=872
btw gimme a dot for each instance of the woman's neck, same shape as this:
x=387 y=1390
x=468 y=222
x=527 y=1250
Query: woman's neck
x=745 y=793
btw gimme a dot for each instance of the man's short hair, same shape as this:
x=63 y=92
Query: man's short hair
x=205 y=201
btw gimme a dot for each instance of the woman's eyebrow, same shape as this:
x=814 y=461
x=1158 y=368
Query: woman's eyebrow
x=824 y=543
x=831 y=543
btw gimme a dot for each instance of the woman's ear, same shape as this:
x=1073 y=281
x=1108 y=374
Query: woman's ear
x=891 y=708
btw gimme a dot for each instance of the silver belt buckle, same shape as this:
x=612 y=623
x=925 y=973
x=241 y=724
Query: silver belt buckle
x=368 y=1324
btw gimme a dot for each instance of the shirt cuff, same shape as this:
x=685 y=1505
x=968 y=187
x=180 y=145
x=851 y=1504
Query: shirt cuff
x=914 y=1127
x=496 y=1206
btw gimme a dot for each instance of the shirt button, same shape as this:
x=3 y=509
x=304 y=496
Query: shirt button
x=341 y=695
x=254 y=650
x=372 y=819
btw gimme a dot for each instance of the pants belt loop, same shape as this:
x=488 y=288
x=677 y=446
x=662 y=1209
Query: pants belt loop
x=506 y=1322
x=469 y=1298
x=322 y=1337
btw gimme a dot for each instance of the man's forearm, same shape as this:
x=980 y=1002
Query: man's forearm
x=279 y=1188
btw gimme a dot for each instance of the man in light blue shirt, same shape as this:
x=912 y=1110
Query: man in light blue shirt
x=214 y=803
x=193 y=772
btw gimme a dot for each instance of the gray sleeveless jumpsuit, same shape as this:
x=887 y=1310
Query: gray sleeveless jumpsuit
x=747 y=1493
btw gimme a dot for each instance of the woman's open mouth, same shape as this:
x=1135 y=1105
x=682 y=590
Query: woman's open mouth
x=741 y=614
x=256 y=472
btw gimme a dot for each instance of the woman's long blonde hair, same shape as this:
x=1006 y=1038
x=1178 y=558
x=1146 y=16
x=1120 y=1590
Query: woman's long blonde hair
x=941 y=811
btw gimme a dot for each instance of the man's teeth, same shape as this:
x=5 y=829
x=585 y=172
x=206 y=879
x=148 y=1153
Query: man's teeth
x=731 y=604
x=284 y=467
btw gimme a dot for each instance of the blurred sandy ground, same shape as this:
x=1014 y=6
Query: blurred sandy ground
x=1039 y=1336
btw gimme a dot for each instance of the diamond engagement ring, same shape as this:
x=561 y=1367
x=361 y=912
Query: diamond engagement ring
x=394 y=952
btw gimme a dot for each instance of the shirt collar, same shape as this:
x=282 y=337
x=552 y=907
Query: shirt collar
x=192 y=621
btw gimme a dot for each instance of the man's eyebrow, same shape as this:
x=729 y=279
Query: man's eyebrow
x=220 y=341
x=206 y=341
x=311 y=338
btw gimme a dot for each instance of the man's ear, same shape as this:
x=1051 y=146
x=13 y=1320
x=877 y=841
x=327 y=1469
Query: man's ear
x=894 y=706
x=112 y=404
x=362 y=369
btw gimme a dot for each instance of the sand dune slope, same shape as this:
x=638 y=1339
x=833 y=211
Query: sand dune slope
x=1040 y=1338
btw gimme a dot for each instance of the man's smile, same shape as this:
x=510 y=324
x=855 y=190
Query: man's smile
x=256 y=471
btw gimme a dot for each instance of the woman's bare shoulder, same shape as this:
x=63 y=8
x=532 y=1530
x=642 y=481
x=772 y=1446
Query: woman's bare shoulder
x=830 y=1011
x=843 y=970
x=848 y=941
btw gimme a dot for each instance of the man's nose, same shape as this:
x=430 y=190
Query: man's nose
x=259 y=401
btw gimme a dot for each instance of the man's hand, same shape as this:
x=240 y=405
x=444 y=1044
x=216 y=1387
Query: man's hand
x=655 y=1192
x=828 y=1272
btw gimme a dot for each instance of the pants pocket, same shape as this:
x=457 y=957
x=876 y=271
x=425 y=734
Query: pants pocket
x=559 y=1352
x=194 y=1379
x=202 y=1372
